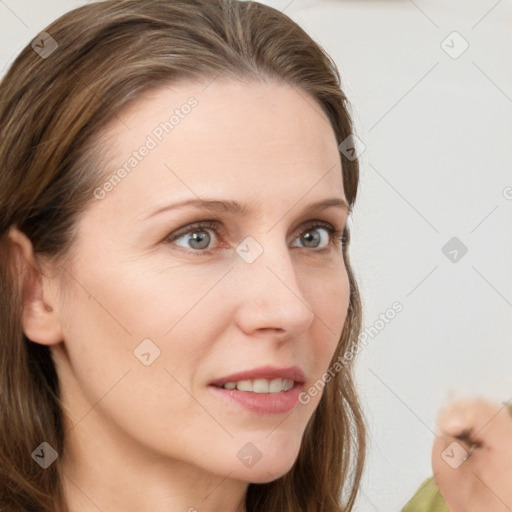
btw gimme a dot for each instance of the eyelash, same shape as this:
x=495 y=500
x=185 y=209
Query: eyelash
x=337 y=238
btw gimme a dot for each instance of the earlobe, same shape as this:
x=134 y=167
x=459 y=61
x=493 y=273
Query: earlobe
x=41 y=322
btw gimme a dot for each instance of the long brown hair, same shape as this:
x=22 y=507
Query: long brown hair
x=103 y=57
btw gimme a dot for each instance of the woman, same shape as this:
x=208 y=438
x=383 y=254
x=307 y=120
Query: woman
x=162 y=357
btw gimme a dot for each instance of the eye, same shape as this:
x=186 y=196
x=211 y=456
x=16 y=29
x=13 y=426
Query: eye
x=314 y=240
x=200 y=238
x=197 y=238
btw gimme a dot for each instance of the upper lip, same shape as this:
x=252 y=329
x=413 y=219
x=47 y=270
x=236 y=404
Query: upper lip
x=264 y=372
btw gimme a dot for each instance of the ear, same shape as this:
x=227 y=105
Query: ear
x=41 y=322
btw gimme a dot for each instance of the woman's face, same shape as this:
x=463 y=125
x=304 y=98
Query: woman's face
x=155 y=310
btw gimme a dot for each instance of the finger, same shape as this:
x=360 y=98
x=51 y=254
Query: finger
x=467 y=418
x=470 y=484
x=472 y=456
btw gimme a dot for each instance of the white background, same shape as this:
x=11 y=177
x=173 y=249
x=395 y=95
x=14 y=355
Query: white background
x=438 y=137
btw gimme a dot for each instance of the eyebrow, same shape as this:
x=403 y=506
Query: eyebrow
x=235 y=208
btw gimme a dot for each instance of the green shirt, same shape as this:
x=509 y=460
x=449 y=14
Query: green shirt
x=427 y=499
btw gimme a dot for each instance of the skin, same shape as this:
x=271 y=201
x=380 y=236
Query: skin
x=483 y=480
x=155 y=437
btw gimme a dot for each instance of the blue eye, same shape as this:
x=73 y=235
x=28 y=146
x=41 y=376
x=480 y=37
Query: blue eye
x=197 y=237
x=310 y=236
x=200 y=239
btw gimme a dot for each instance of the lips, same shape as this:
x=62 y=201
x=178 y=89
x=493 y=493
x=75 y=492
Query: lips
x=264 y=372
x=247 y=389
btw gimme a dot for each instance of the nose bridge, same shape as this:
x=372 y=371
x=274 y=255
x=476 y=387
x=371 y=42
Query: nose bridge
x=271 y=293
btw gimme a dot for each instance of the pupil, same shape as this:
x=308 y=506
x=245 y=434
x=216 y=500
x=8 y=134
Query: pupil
x=200 y=238
x=313 y=235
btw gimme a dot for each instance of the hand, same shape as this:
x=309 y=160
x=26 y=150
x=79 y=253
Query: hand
x=474 y=475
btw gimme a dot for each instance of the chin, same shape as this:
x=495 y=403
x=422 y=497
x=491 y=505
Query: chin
x=263 y=475
x=266 y=470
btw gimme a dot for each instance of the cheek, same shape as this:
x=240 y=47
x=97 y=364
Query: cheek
x=330 y=303
x=145 y=300
x=160 y=299
x=103 y=326
x=145 y=318
x=98 y=344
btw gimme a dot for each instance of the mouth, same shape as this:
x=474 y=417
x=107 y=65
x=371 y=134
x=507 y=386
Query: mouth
x=259 y=385
x=265 y=390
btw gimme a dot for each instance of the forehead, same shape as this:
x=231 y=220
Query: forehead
x=226 y=138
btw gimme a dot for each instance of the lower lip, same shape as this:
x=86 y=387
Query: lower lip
x=262 y=403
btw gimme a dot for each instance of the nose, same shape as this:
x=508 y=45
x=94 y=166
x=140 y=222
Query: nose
x=270 y=296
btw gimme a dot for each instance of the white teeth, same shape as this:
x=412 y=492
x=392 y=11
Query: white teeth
x=275 y=386
x=261 y=385
x=287 y=384
x=244 y=385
